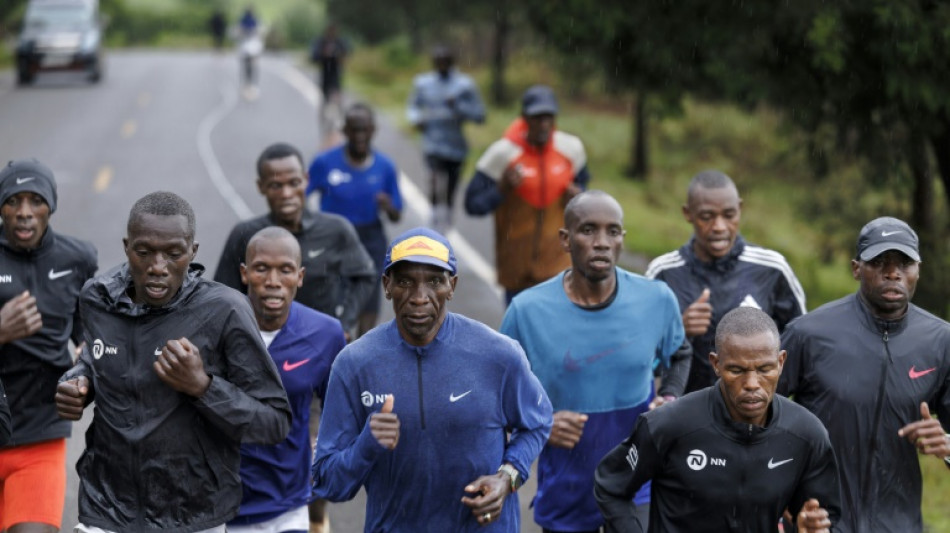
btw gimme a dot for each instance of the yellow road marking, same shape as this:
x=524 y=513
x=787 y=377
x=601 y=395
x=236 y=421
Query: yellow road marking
x=103 y=179
x=128 y=129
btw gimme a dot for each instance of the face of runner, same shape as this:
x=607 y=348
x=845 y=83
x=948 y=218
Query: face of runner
x=283 y=183
x=540 y=128
x=594 y=237
x=714 y=214
x=272 y=273
x=25 y=219
x=419 y=293
x=159 y=249
x=358 y=130
x=749 y=368
x=888 y=282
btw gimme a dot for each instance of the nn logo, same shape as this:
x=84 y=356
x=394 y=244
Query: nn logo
x=99 y=349
x=368 y=398
x=697 y=460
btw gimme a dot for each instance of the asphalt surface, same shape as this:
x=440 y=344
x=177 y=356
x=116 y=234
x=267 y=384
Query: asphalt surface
x=176 y=121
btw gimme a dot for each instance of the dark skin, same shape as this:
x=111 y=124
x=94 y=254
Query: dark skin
x=419 y=293
x=359 y=128
x=888 y=282
x=272 y=273
x=283 y=183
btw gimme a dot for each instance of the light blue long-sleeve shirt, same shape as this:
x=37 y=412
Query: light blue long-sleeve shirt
x=441 y=105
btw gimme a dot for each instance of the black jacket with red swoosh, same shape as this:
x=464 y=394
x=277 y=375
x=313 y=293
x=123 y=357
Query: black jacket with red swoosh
x=865 y=378
x=713 y=475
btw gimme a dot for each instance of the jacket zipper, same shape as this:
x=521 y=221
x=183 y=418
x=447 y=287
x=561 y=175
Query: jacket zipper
x=136 y=463
x=422 y=412
x=878 y=411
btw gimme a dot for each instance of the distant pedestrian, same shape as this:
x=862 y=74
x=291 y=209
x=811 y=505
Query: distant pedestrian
x=359 y=183
x=218 y=25
x=250 y=47
x=180 y=378
x=717 y=271
x=328 y=53
x=437 y=416
x=441 y=102
x=730 y=457
x=303 y=343
x=525 y=179
x=41 y=274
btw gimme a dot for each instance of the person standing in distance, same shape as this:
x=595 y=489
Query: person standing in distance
x=717 y=271
x=730 y=457
x=437 y=416
x=358 y=183
x=303 y=343
x=442 y=101
x=180 y=377
x=41 y=274
x=339 y=275
x=597 y=364
x=873 y=366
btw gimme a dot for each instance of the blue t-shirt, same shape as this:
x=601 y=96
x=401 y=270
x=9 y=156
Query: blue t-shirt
x=276 y=478
x=598 y=362
x=349 y=191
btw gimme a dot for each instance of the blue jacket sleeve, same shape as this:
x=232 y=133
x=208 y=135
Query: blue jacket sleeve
x=317 y=176
x=482 y=195
x=582 y=178
x=346 y=449
x=528 y=412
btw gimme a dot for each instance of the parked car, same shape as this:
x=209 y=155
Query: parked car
x=60 y=35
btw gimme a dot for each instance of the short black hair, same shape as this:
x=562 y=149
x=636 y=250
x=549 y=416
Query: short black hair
x=274 y=233
x=570 y=210
x=361 y=107
x=276 y=151
x=745 y=322
x=708 y=179
x=162 y=203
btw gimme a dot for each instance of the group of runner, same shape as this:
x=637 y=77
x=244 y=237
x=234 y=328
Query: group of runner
x=205 y=398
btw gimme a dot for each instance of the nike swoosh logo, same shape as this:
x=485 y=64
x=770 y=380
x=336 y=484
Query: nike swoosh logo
x=780 y=463
x=21 y=181
x=57 y=275
x=314 y=253
x=453 y=398
x=914 y=373
x=158 y=351
x=288 y=366
x=889 y=233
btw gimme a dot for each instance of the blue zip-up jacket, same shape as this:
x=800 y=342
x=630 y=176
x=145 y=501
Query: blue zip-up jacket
x=456 y=398
x=441 y=105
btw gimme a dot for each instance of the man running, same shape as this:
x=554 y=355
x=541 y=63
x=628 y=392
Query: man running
x=730 y=457
x=717 y=271
x=873 y=366
x=303 y=343
x=339 y=275
x=436 y=415
x=359 y=183
x=596 y=365
x=180 y=377
x=41 y=274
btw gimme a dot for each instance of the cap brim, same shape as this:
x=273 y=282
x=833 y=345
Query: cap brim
x=424 y=259
x=877 y=249
x=540 y=109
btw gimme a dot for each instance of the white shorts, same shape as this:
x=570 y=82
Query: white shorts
x=82 y=528
x=293 y=520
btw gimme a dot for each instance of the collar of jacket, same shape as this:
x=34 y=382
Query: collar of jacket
x=444 y=337
x=307 y=221
x=739 y=431
x=46 y=242
x=722 y=264
x=111 y=291
x=875 y=324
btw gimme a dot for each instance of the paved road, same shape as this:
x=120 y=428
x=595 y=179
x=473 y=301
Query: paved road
x=175 y=121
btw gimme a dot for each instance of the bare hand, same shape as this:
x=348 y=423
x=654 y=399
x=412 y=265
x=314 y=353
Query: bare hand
x=490 y=493
x=385 y=425
x=698 y=316
x=71 y=397
x=813 y=518
x=512 y=178
x=660 y=401
x=385 y=202
x=180 y=367
x=19 y=318
x=927 y=434
x=567 y=429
